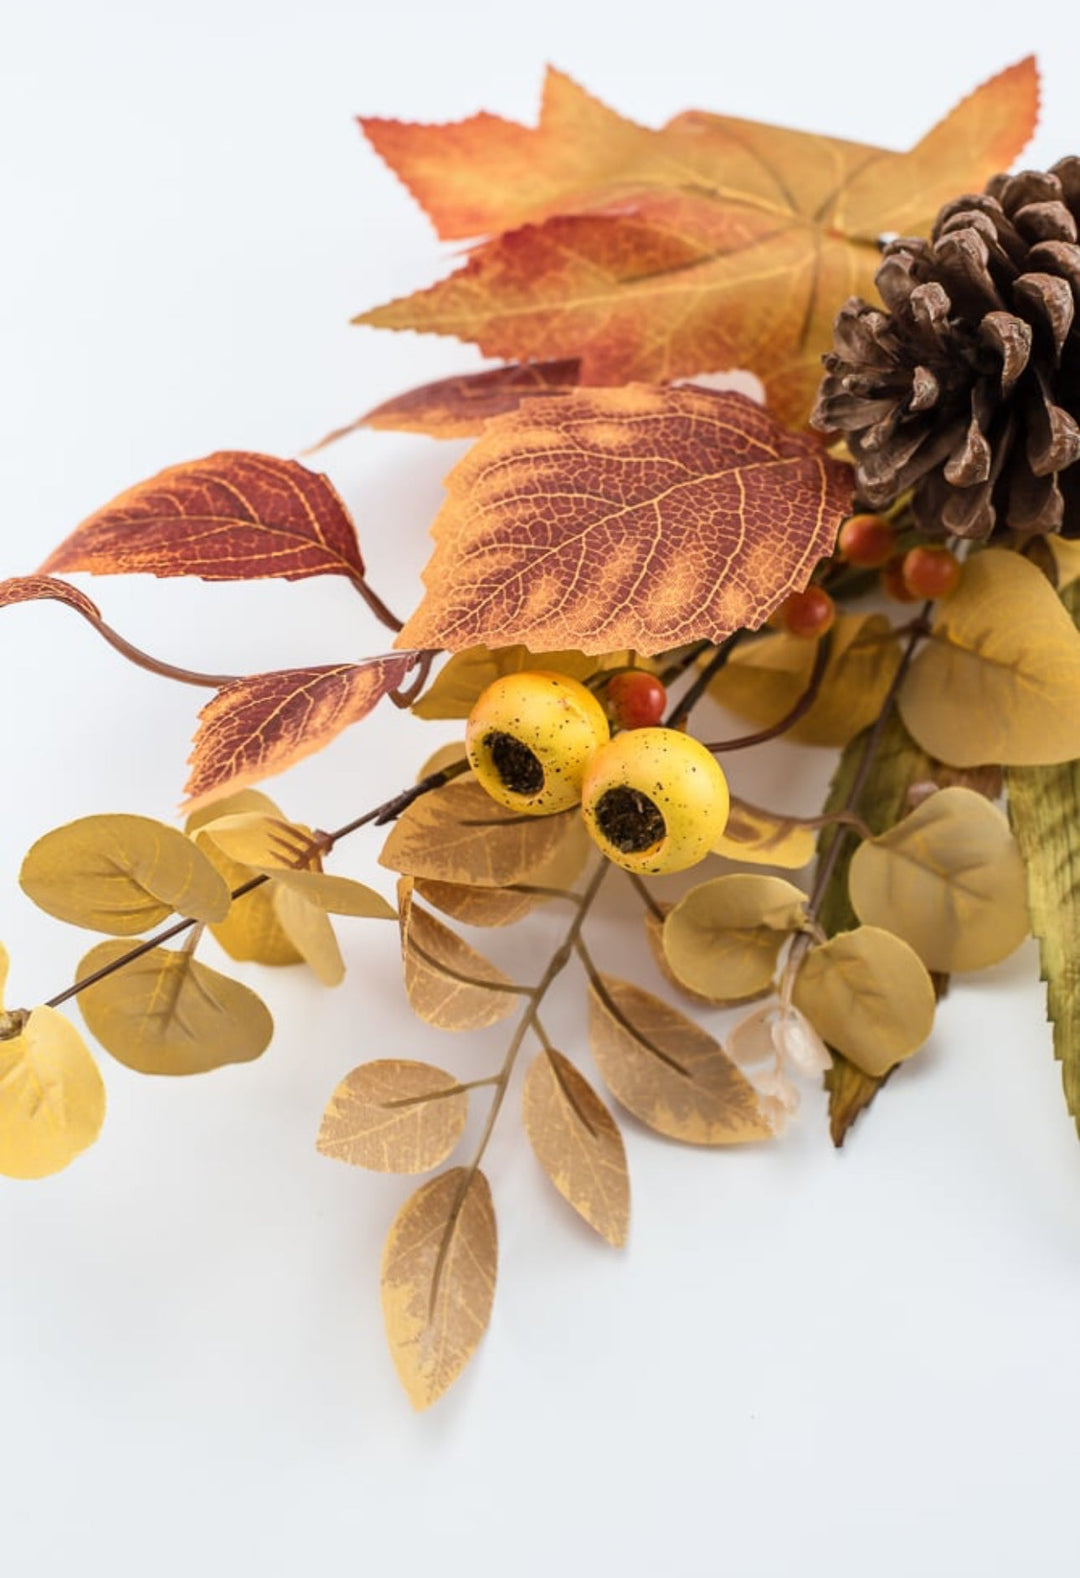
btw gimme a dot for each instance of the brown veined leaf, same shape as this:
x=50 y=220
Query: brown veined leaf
x=121 y=875
x=616 y=518
x=394 y=1116
x=234 y=516
x=1000 y=679
x=460 y=682
x=438 y=1281
x=722 y=939
x=764 y=680
x=578 y=1144
x=868 y=994
x=260 y=725
x=461 y=407
x=713 y=243
x=948 y=879
x=38 y=588
x=52 y=1099
x=487 y=906
x=449 y=984
x=165 y=1013
x=764 y=838
x=251 y=930
x=669 y=1072
x=458 y=834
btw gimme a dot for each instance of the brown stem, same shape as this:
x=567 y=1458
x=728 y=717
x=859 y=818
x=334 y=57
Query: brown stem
x=791 y=718
x=376 y=604
x=407 y=694
x=683 y=708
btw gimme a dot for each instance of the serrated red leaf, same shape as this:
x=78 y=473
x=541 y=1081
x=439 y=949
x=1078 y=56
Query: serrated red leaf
x=38 y=588
x=235 y=516
x=626 y=518
x=260 y=725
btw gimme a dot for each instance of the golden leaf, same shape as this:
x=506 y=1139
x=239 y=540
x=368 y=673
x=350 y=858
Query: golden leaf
x=308 y=928
x=121 y=875
x=251 y=930
x=459 y=834
x=723 y=937
x=654 y=936
x=165 y=1013
x=763 y=680
x=448 y=983
x=270 y=846
x=948 y=879
x=578 y=1144
x=764 y=838
x=867 y=993
x=460 y=682
x=52 y=1099
x=394 y=1116
x=1000 y=680
x=438 y=1281
x=667 y=1071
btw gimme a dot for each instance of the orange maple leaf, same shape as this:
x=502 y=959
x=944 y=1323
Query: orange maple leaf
x=626 y=518
x=712 y=243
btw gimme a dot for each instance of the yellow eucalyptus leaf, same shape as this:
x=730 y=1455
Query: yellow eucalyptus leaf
x=336 y=895
x=722 y=938
x=121 y=875
x=763 y=838
x=459 y=834
x=261 y=841
x=394 y=1116
x=450 y=755
x=869 y=995
x=578 y=1144
x=438 y=1281
x=763 y=680
x=245 y=802
x=1000 y=679
x=948 y=879
x=250 y=931
x=654 y=936
x=165 y=1013
x=669 y=1072
x=308 y=928
x=460 y=682
x=448 y=983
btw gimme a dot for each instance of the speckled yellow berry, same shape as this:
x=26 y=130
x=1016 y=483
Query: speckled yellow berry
x=530 y=737
x=655 y=800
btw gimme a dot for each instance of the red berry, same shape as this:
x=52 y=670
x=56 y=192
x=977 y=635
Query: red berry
x=867 y=541
x=636 y=699
x=893 y=583
x=931 y=572
x=808 y=613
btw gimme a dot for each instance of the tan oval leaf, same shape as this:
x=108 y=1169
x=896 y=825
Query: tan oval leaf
x=52 y=1099
x=251 y=930
x=868 y=994
x=121 y=875
x=763 y=680
x=165 y=1013
x=578 y=1144
x=948 y=879
x=764 y=838
x=1000 y=680
x=438 y=1281
x=394 y=1116
x=654 y=936
x=336 y=895
x=480 y=906
x=722 y=938
x=448 y=983
x=459 y=834
x=637 y=517
x=308 y=928
x=669 y=1072
x=462 y=680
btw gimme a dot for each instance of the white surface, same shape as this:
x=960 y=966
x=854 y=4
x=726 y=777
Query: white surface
x=805 y=1363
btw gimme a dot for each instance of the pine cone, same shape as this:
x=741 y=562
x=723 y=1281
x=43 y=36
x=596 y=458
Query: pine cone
x=967 y=387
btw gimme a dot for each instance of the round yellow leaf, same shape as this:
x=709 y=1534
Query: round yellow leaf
x=722 y=938
x=868 y=994
x=52 y=1099
x=948 y=879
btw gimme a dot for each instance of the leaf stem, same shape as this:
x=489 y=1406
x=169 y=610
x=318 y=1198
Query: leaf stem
x=790 y=718
x=376 y=604
x=689 y=700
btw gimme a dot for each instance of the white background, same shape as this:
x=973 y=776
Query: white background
x=804 y=1362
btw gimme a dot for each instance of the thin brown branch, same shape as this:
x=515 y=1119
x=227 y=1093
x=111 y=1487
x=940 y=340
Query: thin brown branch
x=791 y=717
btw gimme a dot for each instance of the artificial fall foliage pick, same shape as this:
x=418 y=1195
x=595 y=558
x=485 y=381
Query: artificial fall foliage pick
x=618 y=553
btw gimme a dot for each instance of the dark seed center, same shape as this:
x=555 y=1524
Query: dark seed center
x=515 y=764
x=629 y=820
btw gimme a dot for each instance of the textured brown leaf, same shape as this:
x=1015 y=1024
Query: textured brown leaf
x=669 y=1072
x=36 y=588
x=234 y=516
x=448 y=983
x=438 y=1281
x=394 y=1116
x=713 y=243
x=260 y=725
x=578 y=1144
x=458 y=834
x=634 y=517
x=461 y=407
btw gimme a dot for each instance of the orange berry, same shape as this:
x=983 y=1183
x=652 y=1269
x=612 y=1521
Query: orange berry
x=931 y=572
x=808 y=613
x=867 y=541
x=893 y=583
x=636 y=699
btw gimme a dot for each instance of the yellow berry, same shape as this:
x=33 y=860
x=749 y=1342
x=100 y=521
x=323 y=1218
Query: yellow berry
x=530 y=737
x=654 y=800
